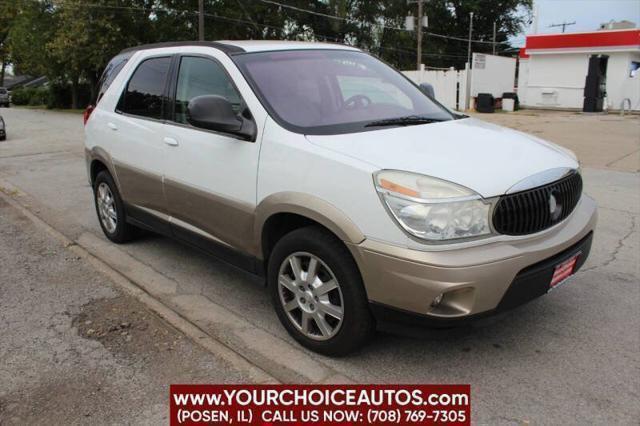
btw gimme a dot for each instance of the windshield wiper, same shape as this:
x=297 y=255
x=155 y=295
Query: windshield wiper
x=409 y=120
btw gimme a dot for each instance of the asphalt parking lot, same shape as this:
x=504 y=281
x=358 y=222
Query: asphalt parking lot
x=572 y=356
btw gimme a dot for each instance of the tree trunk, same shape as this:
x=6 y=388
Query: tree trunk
x=94 y=93
x=74 y=93
x=94 y=87
x=2 y=69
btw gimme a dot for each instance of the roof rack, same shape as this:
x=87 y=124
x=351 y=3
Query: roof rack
x=227 y=48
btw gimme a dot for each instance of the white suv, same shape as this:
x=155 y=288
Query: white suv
x=362 y=201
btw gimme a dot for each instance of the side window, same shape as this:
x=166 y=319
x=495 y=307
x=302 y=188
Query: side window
x=202 y=76
x=145 y=91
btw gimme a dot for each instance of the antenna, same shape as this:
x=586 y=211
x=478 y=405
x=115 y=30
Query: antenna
x=563 y=25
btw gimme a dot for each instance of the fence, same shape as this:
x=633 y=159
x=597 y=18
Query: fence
x=490 y=74
x=450 y=86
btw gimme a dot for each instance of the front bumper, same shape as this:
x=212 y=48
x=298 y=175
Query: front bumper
x=476 y=281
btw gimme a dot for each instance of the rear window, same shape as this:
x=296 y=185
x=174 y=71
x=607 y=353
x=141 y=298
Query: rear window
x=109 y=74
x=145 y=92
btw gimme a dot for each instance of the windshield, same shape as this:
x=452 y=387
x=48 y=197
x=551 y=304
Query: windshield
x=334 y=91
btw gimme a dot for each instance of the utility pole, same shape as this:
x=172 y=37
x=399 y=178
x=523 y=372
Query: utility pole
x=419 y=30
x=410 y=25
x=470 y=33
x=563 y=25
x=494 y=37
x=201 y=20
x=468 y=71
x=536 y=12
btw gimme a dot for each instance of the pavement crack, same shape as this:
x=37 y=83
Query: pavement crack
x=33 y=154
x=616 y=250
x=610 y=163
x=629 y=212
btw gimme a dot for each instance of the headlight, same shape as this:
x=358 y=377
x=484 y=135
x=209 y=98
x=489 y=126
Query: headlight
x=433 y=209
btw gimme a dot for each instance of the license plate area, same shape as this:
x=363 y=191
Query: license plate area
x=563 y=271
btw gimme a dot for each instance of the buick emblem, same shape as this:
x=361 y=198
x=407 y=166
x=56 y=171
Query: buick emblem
x=554 y=208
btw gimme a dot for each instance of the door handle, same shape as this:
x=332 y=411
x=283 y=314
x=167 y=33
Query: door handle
x=171 y=141
x=112 y=126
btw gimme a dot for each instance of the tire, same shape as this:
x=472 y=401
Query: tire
x=121 y=231
x=332 y=262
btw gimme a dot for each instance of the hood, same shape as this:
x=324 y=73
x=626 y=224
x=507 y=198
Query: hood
x=484 y=157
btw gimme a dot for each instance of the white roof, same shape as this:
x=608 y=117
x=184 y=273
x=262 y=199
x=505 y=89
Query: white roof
x=270 y=45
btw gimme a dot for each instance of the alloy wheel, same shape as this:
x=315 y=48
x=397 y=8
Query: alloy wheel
x=310 y=295
x=107 y=208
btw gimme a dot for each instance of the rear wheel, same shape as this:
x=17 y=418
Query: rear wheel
x=110 y=210
x=318 y=293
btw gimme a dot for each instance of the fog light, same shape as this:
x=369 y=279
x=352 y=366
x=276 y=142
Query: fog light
x=437 y=300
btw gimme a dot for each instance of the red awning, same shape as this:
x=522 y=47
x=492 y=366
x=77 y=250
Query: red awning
x=596 y=39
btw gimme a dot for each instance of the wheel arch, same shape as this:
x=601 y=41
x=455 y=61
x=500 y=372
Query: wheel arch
x=97 y=160
x=284 y=212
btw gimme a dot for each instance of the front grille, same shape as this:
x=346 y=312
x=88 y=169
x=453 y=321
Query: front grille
x=530 y=211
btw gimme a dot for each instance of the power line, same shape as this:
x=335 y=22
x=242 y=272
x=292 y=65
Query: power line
x=458 y=38
x=252 y=23
x=299 y=9
x=340 y=18
x=151 y=9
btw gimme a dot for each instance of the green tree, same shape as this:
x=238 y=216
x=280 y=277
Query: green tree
x=450 y=18
x=71 y=41
x=84 y=40
x=33 y=25
x=8 y=12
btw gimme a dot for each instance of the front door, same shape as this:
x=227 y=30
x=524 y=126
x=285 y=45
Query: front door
x=210 y=179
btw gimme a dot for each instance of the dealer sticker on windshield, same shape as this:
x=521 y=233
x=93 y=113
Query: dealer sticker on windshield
x=563 y=271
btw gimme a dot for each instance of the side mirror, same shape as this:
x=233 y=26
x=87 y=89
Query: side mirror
x=427 y=89
x=213 y=112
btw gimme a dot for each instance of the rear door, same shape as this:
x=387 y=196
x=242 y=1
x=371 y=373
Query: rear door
x=137 y=127
x=210 y=178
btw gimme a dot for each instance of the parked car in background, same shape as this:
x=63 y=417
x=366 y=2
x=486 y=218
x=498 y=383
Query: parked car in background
x=361 y=200
x=5 y=97
x=3 y=129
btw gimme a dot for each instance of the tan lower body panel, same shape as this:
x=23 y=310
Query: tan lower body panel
x=229 y=221
x=141 y=188
x=213 y=217
x=410 y=280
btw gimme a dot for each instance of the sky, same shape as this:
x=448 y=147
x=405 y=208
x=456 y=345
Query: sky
x=587 y=14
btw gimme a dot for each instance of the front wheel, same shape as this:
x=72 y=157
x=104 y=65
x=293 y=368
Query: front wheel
x=318 y=293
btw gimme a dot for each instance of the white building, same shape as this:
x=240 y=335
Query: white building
x=553 y=68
